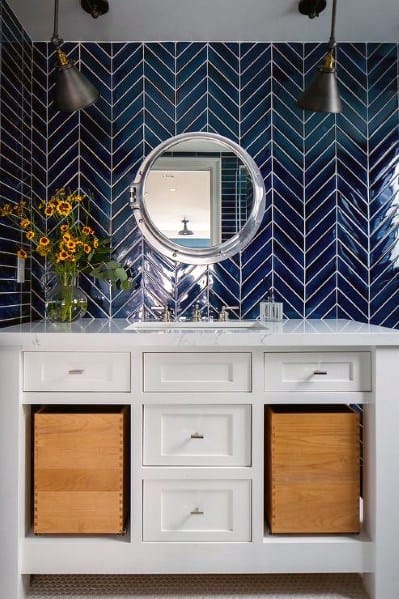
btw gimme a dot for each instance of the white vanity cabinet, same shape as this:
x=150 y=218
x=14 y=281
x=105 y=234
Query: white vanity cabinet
x=197 y=487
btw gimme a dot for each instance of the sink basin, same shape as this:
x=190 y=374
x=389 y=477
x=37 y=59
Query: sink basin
x=203 y=325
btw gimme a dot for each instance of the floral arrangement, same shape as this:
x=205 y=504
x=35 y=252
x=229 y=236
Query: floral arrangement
x=69 y=246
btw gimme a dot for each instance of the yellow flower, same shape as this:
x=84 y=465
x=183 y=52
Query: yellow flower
x=19 y=208
x=30 y=235
x=71 y=245
x=87 y=248
x=49 y=210
x=78 y=197
x=42 y=251
x=62 y=256
x=22 y=254
x=25 y=223
x=66 y=237
x=86 y=230
x=6 y=210
x=64 y=228
x=64 y=208
x=44 y=241
x=95 y=243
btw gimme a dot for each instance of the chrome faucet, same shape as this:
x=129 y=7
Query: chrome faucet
x=196 y=315
x=166 y=313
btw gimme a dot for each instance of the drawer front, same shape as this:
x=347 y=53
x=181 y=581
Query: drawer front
x=197 y=510
x=197 y=435
x=321 y=371
x=197 y=372
x=77 y=371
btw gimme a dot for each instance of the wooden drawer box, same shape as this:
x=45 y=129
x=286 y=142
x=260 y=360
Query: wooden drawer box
x=80 y=470
x=312 y=469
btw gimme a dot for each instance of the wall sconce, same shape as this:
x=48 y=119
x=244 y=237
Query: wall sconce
x=322 y=95
x=72 y=90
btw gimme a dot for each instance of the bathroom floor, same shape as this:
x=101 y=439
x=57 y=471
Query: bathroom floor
x=259 y=586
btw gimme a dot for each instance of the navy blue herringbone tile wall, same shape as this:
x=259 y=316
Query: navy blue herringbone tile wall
x=328 y=241
x=15 y=160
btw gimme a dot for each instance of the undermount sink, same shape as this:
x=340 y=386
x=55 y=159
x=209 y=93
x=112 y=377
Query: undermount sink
x=154 y=325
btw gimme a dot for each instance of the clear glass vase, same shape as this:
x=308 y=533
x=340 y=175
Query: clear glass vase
x=66 y=302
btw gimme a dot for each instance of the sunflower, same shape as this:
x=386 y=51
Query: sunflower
x=42 y=251
x=25 y=222
x=44 y=241
x=71 y=245
x=64 y=228
x=64 y=208
x=66 y=237
x=6 y=210
x=30 y=235
x=86 y=230
x=49 y=210
x=62 y=256
x=87 y=248
x=22 y=254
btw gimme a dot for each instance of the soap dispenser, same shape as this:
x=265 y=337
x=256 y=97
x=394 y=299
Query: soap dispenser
x=270 y=309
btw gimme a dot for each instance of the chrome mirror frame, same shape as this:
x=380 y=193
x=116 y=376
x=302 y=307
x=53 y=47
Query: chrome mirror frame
x=197 y=255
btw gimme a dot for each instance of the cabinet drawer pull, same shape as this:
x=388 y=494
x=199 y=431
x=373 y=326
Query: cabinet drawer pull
x=320 y=372
x=197 y=512
x=197 y=436
x=76 y=371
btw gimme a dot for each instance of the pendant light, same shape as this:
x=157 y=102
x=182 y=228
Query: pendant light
x=185 y=230
x=322 y=95
x=72 y=90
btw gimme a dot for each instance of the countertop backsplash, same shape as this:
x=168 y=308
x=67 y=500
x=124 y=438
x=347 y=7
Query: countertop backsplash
x=328 y=242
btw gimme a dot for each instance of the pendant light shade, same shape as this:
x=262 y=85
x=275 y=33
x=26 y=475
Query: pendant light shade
x=322 y=95
x=72 y=90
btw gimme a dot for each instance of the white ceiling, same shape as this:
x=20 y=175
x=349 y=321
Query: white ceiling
x=207 y=20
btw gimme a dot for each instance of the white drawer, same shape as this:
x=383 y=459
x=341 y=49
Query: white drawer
x=197 y=372
x=318 y=371
x=76 y=371
x=197 y=510
x=204 y=435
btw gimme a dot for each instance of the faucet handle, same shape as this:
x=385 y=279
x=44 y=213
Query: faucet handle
x=224 y=314
x=166 y=313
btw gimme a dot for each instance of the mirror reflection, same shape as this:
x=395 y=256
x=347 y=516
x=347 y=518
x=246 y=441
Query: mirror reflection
x=198 y=193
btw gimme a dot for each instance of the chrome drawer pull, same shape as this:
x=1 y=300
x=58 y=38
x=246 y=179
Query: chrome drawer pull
x=76 y=371
x=197 y=512
x=197 y=436
x=320 y=372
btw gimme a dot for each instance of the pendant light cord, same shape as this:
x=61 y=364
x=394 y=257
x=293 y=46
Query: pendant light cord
x=332 y=42
x=56 y=40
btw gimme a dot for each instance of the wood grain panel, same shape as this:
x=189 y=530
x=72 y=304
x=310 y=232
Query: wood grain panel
x=312 y=469
x=80 y=470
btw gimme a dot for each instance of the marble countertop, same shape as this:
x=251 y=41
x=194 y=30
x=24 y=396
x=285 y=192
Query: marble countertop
x=117 y=333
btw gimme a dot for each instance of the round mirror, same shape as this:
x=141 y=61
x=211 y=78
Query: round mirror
x=198 y=198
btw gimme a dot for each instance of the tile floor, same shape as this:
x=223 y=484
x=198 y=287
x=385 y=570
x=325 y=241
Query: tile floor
x=258 y=586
